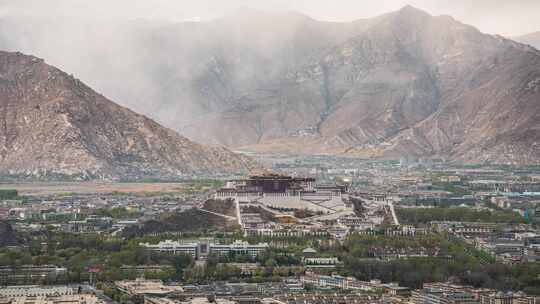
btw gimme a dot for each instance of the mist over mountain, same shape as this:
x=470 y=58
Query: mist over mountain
x=532 y=39
x=54 y=126
x=404 y=83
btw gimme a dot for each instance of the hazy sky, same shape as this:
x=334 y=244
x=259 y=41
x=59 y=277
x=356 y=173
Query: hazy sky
x=505 y=17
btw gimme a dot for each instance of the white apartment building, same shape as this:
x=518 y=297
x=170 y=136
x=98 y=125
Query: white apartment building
x=174 y=247
x=35 y=291
x=238 y=247
x=195 y=249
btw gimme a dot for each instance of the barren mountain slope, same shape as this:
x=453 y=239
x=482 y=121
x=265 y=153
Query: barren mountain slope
x=52 y=124
x=414 y=84
x=404 y=83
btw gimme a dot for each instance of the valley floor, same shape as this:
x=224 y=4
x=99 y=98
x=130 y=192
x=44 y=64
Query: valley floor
x=89 y=187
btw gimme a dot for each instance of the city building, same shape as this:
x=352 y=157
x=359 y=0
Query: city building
x=190 y=300
x=31 y=274
x=198 y=248
x=268 y=183
x=174 y=247
x=54 y=299
x=146 y=287
x=438 y=296
x=238 y=247
x=506 y=298
x=320 y=262
x=394 y=289
x=350 y=283
x=22 y=291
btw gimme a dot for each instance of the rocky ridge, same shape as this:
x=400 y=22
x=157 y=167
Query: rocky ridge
x=53 y=125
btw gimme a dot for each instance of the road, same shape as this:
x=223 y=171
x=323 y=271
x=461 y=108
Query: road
x=393 y=210
x=219 y=214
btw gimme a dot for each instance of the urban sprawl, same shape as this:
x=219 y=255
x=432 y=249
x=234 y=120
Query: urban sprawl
x=315 y=229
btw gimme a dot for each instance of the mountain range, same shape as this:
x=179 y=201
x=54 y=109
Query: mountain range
x=403 y=83
x=53 y=125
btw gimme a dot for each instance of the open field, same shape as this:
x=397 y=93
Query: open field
x=52 y=188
